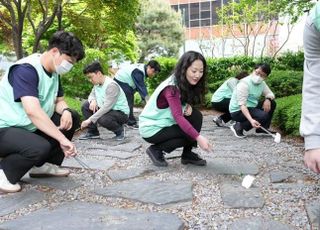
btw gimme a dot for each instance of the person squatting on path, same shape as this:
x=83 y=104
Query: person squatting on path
x=106 y=105
x=221 y=98
x=131 y=79
x=310 y=116
x=36 y=125
x=245 y=107
x=169 y=121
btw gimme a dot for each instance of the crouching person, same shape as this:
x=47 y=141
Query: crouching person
x=168 y=121
x=36 y=125
x=107 y=105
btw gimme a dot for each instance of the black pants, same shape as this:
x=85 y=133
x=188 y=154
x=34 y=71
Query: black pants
x=113 y=120
x=170 y=138
x=129 y=92
x=223 y=106
x=22 y=149
x=256 y=113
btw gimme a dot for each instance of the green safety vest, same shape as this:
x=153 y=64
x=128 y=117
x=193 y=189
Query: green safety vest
x=12 y=114
x=315 y=15
x=124 y=74
x=223 y=91
x=100 y=92
x=255 y=92
x=152 y=119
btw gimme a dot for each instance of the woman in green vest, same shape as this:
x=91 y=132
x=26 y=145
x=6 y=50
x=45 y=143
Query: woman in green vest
x=221 y=98
x=310 y=111
x=106 y=105
x=169 y=120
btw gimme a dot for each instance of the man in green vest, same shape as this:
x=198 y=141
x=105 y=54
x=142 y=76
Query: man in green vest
x=107 y=105
x=131 y=78
x=36 y=125
x=245 y=107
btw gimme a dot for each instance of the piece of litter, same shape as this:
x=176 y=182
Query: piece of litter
x=247 y=181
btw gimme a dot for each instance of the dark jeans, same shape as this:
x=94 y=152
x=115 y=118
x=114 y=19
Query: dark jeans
x=22 y=149
x=170 y=138
x=223 y=106
x=113 y=120
x=129 y=92
x=256 y=113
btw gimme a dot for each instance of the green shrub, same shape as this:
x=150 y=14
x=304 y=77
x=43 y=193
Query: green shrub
x=285 y=83
x=75 y=83
x=287 y=114
x=167 y=66
x=74 y=104
x=290 y=61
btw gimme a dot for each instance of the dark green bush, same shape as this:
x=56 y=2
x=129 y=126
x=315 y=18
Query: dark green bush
x=74 y=104
x=290 y=61
x=287 y=114
x=285 y=83
x=75 y=83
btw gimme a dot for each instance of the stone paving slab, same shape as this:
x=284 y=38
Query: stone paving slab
x=278 y=176
x=150 y=191
x=61 y=183
x=236 y=196
x=291 y=186
x=127 y=147
x=117 y=175
x=258 y=223
x=100 y=164
x=313 y=212
x=88 y=216
x=111 y=153
x=227 y=166
x=11 y=202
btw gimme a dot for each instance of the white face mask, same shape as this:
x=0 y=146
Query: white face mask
x=256 y=79
x=63 y=68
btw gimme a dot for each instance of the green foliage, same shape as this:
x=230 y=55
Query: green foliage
x=75 y=83
x=74 y=104
x=288 y=113
x=285 y=83
x=290 y=61
x=167 y=66
x=159 y=30
x=106 y=25
x=294 y=9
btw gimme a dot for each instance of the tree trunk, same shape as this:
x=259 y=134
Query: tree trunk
x=17 y=42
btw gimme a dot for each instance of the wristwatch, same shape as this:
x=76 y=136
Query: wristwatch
x=66 y=109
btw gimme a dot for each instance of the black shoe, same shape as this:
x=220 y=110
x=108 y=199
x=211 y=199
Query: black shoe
x=261 y=131
x=89 y=135
x=156 y=156
x=219 y=122
x=120 y=136
x=238 y=132
x=192 y=158
x=134 y=126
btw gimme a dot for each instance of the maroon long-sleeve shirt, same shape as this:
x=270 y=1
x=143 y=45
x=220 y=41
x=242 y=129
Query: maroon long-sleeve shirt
x=170 y=97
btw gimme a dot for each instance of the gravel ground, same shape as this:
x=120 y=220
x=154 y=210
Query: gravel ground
x=207 y=210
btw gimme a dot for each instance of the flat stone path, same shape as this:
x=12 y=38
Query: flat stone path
x=123 y=190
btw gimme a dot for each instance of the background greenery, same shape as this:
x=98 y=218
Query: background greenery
x=285 y=81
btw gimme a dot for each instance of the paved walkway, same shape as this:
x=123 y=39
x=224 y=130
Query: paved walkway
x=122 y=190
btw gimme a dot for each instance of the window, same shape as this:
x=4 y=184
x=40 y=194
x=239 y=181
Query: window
x=200 y=13
x=184 y=9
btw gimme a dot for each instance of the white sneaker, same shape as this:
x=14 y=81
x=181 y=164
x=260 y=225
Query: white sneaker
x=6 y=186
x=48 y=170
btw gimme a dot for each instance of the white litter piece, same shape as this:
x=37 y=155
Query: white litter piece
x=247 y=181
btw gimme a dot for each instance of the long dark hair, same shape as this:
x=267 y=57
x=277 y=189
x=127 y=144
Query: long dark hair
x=191 y=94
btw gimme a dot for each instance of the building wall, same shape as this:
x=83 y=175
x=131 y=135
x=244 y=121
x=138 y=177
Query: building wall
x=213 y=41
